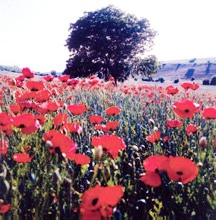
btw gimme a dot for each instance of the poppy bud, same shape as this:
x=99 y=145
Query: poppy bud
x=151 y=122
x=49 y=144
x=98 y=153
x=199 y=164
x=3 y=171
x=203 y=142
x=135 y=147
x=57 y=175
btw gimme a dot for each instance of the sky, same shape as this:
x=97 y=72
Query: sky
x=34 y=32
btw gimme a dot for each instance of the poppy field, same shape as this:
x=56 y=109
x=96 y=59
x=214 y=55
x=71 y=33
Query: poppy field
x=88 y=149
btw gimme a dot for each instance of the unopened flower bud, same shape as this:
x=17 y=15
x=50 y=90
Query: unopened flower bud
x=151 y=121
x=203 y=142
x=98 y=153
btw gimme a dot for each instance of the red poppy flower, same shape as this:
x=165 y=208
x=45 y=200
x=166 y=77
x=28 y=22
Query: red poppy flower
x=48 y=107
x=76 y=109
x=23 y=120
x=174 y=123
x=6 y=123
x=190 y=129
x=60 y=141
x=42 y=96
x=72 y=128
x=72 y=82
x=155 y=163
x=35 y=85
x=80 y=159
x=209 y=113
x=49 y=78
x=111 y=144
x=40 y=118
x=103 y=128
x=64 y=78
x=154 y=137
x=3 y=147
x=181 y=169
x=171 y=90
x=60 y=119
x=4 y=208
x=95 y=119
x=152 y=179
x=22 y=157
x=186 y=85
x=101 y=200
x=112 y=125
x=27 y=73
x=195 y=86
x=15 y=108
x=185 y=108
x=31 y=129
x=113 y=110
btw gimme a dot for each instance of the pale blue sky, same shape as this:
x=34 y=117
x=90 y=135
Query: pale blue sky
x=33 y=32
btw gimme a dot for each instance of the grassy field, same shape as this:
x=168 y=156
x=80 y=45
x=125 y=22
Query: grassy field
x=84 y=148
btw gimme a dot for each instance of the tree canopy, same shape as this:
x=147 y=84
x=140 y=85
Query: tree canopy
x=105 y=42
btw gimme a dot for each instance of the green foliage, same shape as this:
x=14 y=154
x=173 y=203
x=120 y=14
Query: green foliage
x=145 y=66
x=104 y=42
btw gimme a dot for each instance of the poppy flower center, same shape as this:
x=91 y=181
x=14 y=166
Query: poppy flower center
x=21 y=126
x=186 y=110
x=179 y=173
x=94 y=201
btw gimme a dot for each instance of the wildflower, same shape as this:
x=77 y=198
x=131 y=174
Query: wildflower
x=23 y=120
x=113 y=110
x=15 y=108
x=26 y=122
x=22 y=157
x=4 y=207
x=111 y=144
x=27 y=73
x=185 y=108
x=190 y=129
x=154 y=163
x=95 y=119
x=76 y=109
x=181 y=169
x=6 y=123
x=35 y=85
x=209 y=113
x=152 y=179
x=71 y=128
x=100 y=200
x=174 y=123
x=80 y=159
x=203 y=142
x=42 y=96
x=59 y=141
x=171 y=90
x=64 y=78
x=48 y=78
x=112 y=125
x=60 y=119
x=154 y=137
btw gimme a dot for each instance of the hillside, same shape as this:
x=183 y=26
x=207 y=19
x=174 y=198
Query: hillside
x=199 y=69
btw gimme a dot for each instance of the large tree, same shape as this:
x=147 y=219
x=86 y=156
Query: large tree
x=104 y=42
